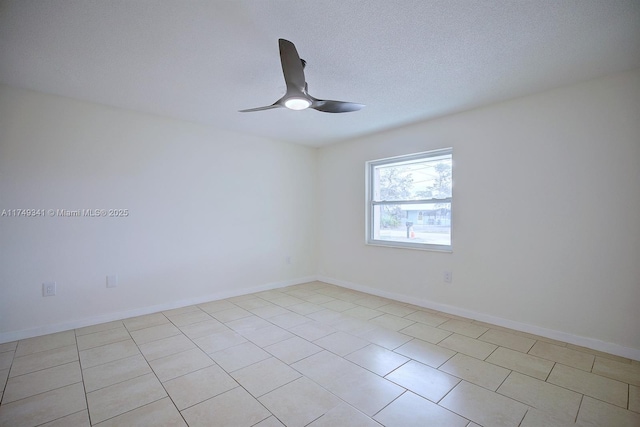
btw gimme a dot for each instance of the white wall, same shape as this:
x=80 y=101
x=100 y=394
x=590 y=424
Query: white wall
x=546 y=229
x=212 y=214
x=546 y=214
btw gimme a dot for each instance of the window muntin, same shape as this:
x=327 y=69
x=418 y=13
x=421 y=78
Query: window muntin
x=409 y=201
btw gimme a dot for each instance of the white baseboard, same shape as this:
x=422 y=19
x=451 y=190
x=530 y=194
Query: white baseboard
x=119 y=315
x=592 y=343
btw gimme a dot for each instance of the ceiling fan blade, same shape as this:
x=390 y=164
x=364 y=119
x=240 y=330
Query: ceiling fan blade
x=292 y=66
x=328 y=106
x=268 y=107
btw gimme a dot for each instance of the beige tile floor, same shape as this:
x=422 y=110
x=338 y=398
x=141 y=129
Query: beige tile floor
x=310 y=355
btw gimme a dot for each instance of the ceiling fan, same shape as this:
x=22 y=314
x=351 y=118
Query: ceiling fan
x=297 y=96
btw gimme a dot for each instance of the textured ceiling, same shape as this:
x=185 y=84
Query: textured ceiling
x=406 y=60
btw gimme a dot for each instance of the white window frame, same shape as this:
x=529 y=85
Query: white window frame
x=371 y=203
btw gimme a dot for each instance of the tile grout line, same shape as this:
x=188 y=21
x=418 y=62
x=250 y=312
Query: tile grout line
x=393 y=400
x=451 y=410
x=494 y=350
x=502 y=382
x=447 y=393
x=549 y=374
x=525 y=416
x=575 y=420
x=156 y=375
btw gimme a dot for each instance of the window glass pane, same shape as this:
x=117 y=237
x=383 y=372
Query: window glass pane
x=405 y=206
x=424 y=223
x=413 y=180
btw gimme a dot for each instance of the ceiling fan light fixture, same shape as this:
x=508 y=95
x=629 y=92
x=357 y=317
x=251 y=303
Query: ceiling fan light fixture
x=297 y=96
x=297 y=103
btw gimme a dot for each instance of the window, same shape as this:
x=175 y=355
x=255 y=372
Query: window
x=409 y=201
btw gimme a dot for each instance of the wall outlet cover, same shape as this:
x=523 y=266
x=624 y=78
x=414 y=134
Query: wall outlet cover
x=112 y=281
x=48 y=289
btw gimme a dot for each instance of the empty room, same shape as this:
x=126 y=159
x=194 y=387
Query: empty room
x=320 y=213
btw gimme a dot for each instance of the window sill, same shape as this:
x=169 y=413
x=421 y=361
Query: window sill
x=414 y=246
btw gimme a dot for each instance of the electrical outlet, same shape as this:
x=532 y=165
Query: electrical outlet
x=112 y=281
x=448 y=276
x=48 y=289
